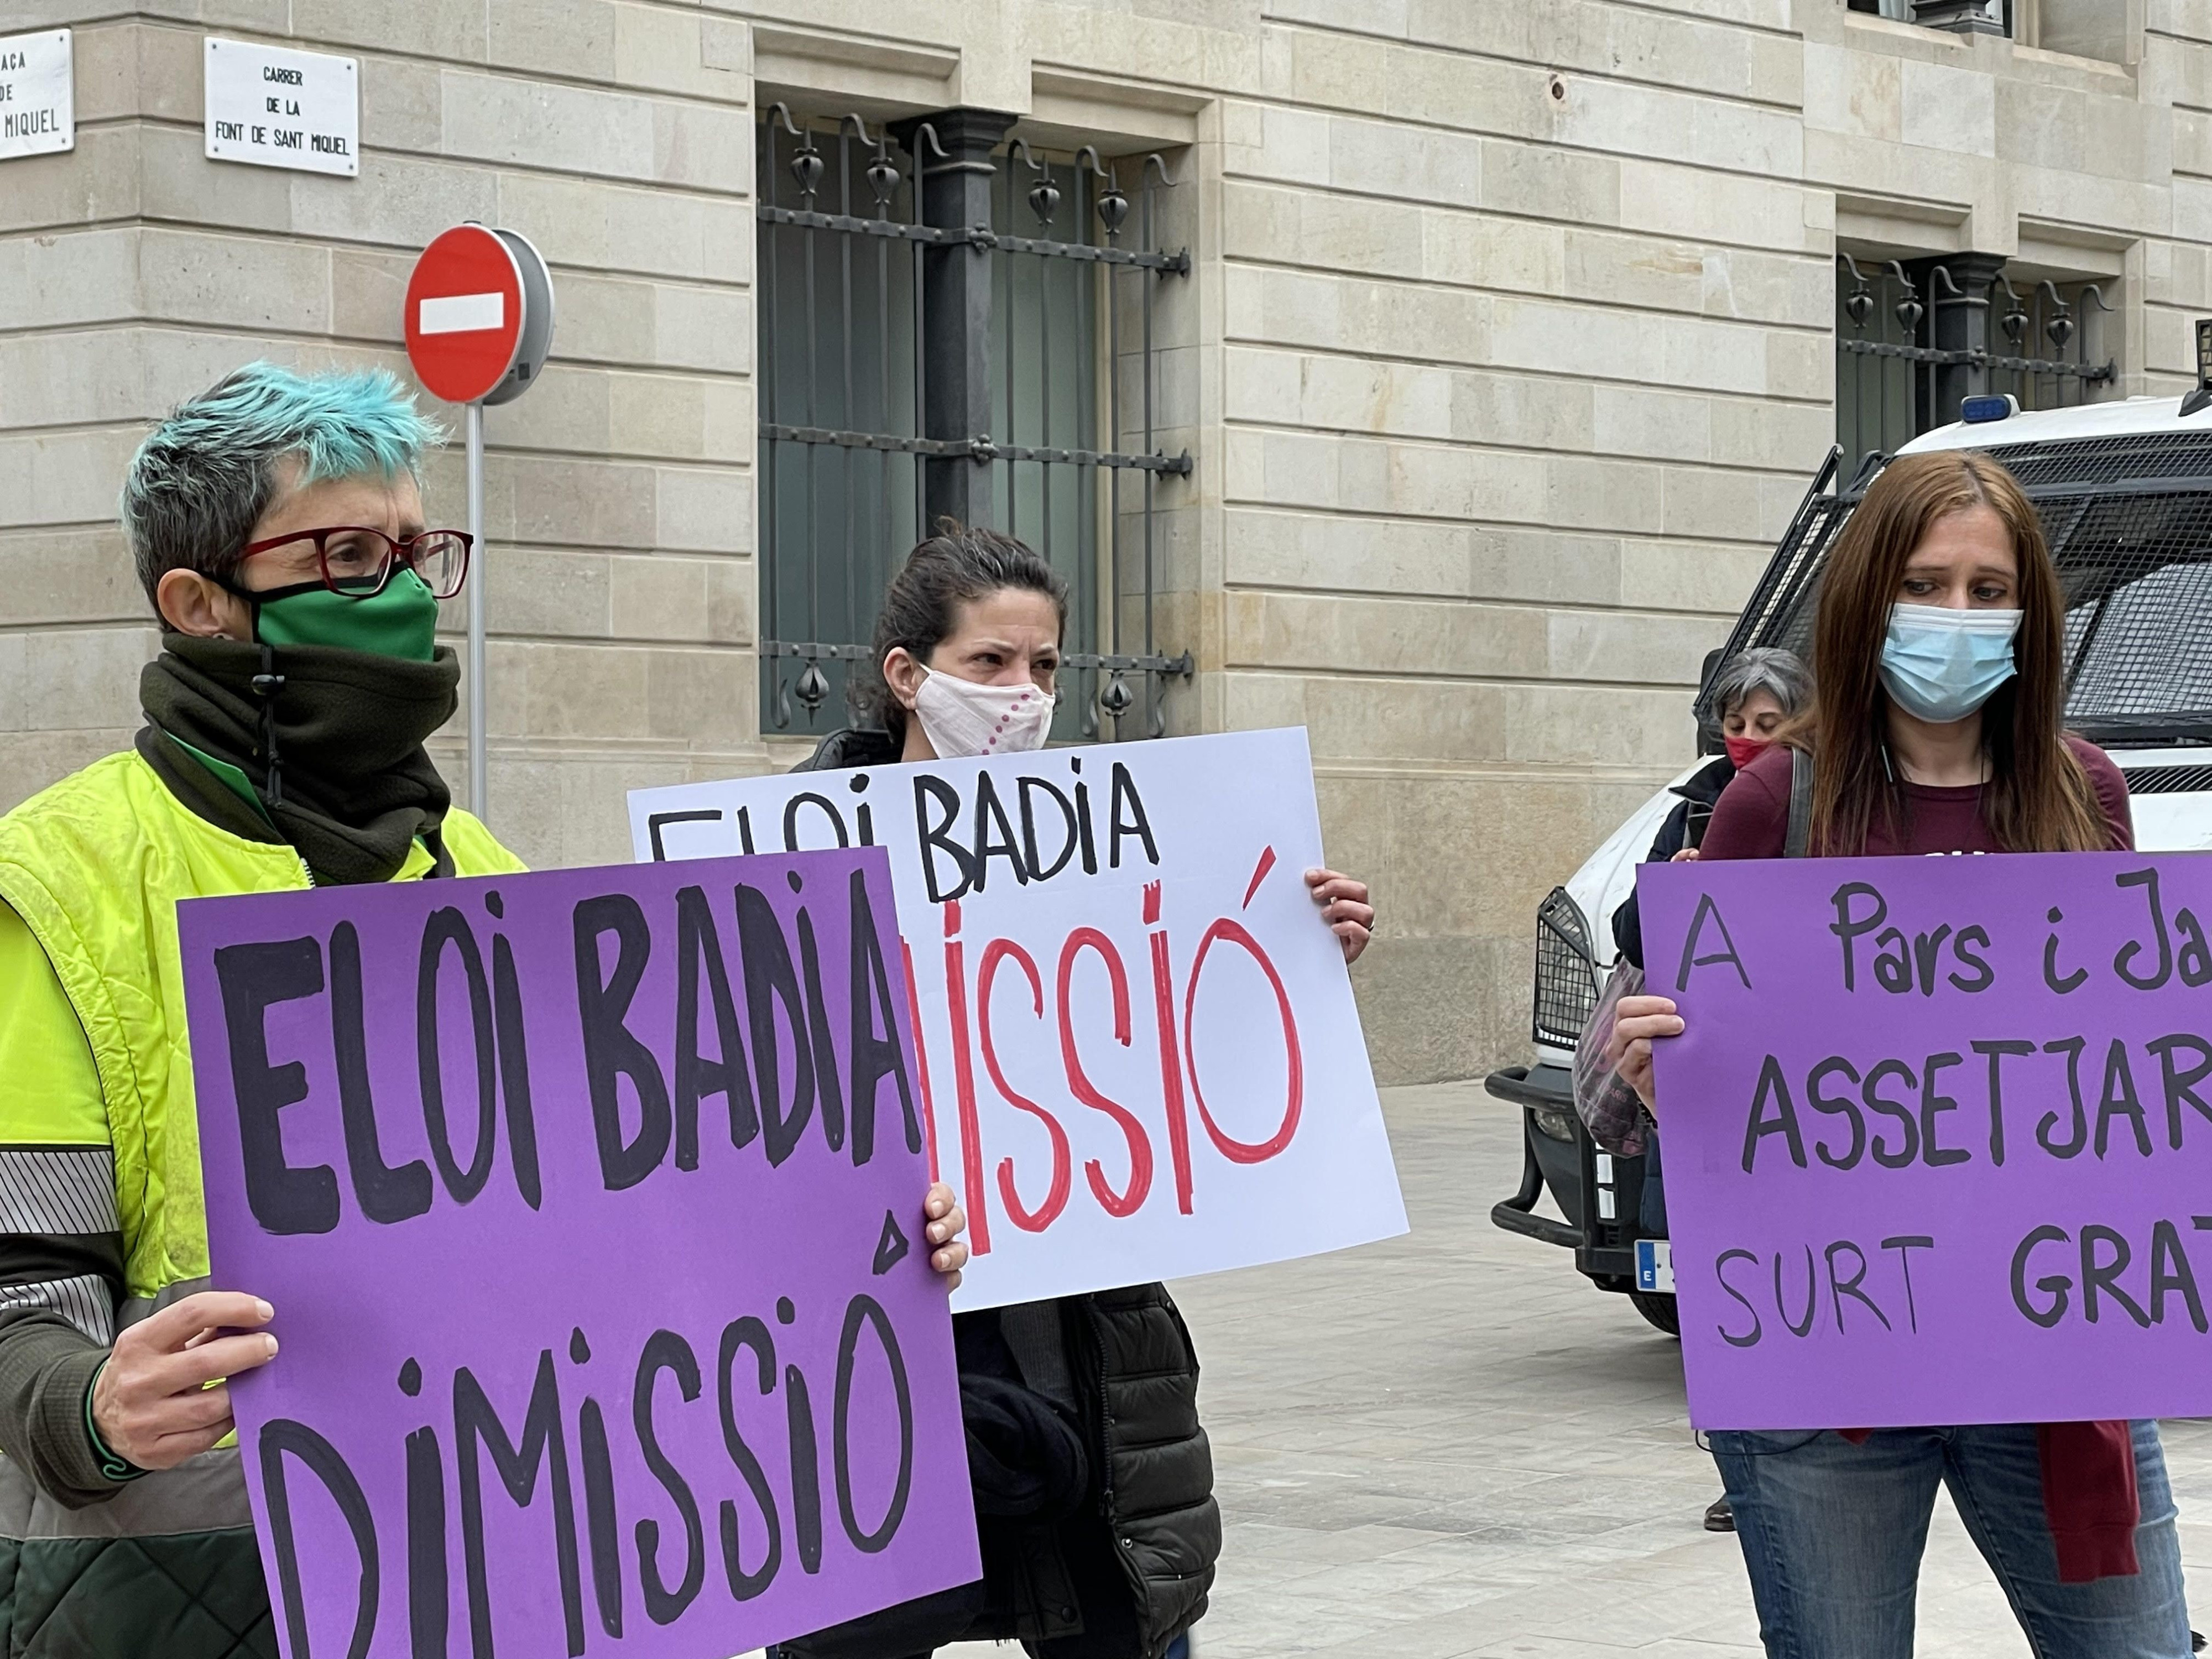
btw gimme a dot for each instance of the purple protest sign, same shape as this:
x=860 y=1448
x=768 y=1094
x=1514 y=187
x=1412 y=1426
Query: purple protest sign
x=1938 y=1137
x=590 y=1204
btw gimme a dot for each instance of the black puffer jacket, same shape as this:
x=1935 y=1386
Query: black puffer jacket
x=1120 y=1572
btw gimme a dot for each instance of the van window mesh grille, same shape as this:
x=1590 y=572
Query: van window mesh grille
x=1566 y=970
x=2130 y=523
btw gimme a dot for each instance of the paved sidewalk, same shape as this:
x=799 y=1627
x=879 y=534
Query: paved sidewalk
x=1452 y=1446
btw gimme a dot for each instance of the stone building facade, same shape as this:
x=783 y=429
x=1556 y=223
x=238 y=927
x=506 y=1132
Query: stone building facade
x=1506 y=346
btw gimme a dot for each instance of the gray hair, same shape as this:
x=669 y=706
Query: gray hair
x=1781 y=674
x=204 y=476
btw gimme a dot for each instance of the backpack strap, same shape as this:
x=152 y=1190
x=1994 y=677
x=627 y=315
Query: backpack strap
x=1799 y=832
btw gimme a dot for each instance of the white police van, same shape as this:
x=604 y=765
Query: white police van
x=2125 y=492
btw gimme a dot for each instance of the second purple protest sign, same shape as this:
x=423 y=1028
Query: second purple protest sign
x=590 y=1203
x=1938 y=1137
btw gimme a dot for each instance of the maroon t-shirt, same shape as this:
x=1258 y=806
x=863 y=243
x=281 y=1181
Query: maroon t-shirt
x=2089 y=1495
x=1751 y=820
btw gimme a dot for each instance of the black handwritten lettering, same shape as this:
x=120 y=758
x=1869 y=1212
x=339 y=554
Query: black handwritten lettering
x=699 y=954
x=771 y=980
x=2194 y=959
x=1904 y=1244
x=828 y=809
x=2120 y=1099
x=1933 y=1105
x=255 y=978
x=1840 y=1288
x=428 y=1604
x=829 y=1091
x=753 y=1334
x=1772 y=1085
x=2179 y=1086
x=1689 y=957
x=1846 y=1108
x=2146 y=878
x=1893 y=963
x=384 y=1195
x=991 y=816
x=1982 y=975
x=1749 y=1339
x=1812 y=1295
x=1851 y=924
x=2056 y=1287
x=2062 y=984
x=2105 y=1275
x=875 y=1053
x=866 y=1310
x=930 y=791
x=1025 y=790
x=1135 y=824
x=281 y=1435
x=665 y=1351
x=1926 y=952
x=448 y=927
x=1997 y=1050
x=2170 y=1271
x=2072 y=1146
x=513 y=1044
x=601 y=1524
x=612 y=1050
x=1908 y=1149
x=542 y=1445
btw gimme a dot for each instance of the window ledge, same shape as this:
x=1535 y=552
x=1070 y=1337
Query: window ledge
x=2067 y=60
x=1865 y=23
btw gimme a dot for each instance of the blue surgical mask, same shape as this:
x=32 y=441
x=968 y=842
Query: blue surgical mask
x=1940 y=665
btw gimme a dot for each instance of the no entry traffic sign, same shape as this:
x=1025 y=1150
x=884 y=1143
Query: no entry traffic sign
x=479 y=323
x=477 y=304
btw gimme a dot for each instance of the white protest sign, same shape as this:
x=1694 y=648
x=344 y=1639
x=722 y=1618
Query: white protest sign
x=275 y=107
x=37 y=95
x=1141 y=1056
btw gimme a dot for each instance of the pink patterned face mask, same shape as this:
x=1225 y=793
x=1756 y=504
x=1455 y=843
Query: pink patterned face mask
x=963 y=720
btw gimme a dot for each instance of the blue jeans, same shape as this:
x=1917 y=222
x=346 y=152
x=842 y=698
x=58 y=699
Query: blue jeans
x=1833 y=1535
x=1651 y=1206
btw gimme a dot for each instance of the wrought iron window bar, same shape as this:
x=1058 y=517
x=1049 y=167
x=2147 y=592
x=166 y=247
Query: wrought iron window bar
x=807 y=167
x=1911 y=340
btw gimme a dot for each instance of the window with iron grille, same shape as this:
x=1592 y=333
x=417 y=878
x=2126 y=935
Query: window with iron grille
x=953 y=324
x=1914 y=339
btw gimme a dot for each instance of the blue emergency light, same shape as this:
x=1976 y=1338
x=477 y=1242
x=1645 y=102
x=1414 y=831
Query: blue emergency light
x=1996 y=406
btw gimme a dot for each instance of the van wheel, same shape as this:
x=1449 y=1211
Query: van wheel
x=1657 y=1308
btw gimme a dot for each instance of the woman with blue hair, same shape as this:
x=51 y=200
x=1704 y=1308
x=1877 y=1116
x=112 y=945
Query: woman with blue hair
x=277 y=523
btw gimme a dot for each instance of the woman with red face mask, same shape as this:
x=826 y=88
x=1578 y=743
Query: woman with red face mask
x=1758 y=692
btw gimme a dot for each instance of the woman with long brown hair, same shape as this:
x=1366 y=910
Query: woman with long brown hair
x=1938 y=658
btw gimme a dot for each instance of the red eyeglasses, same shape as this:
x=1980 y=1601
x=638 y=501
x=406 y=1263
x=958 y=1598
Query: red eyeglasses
x=358 y=562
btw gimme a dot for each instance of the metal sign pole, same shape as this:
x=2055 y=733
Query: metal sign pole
x=476 y=759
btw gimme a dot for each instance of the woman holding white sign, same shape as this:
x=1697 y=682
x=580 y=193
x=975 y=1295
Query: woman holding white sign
x=1940 y=653
x=1093 y=1481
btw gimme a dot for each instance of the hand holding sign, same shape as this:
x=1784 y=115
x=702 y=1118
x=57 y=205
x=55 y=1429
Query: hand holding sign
x=160 y=1397
x=1639 y=1022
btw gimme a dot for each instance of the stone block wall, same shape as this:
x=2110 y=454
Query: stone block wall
x=1507 y=352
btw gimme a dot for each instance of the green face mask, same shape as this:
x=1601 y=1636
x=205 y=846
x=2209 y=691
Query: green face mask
x=400 y=621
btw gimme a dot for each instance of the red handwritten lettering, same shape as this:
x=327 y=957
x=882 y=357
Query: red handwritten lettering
x=1129 y=1201
x=964 y=1081
x=921 y=1057
x=1238 y=1151
x=1170 y=1066
x=1055 y=1199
